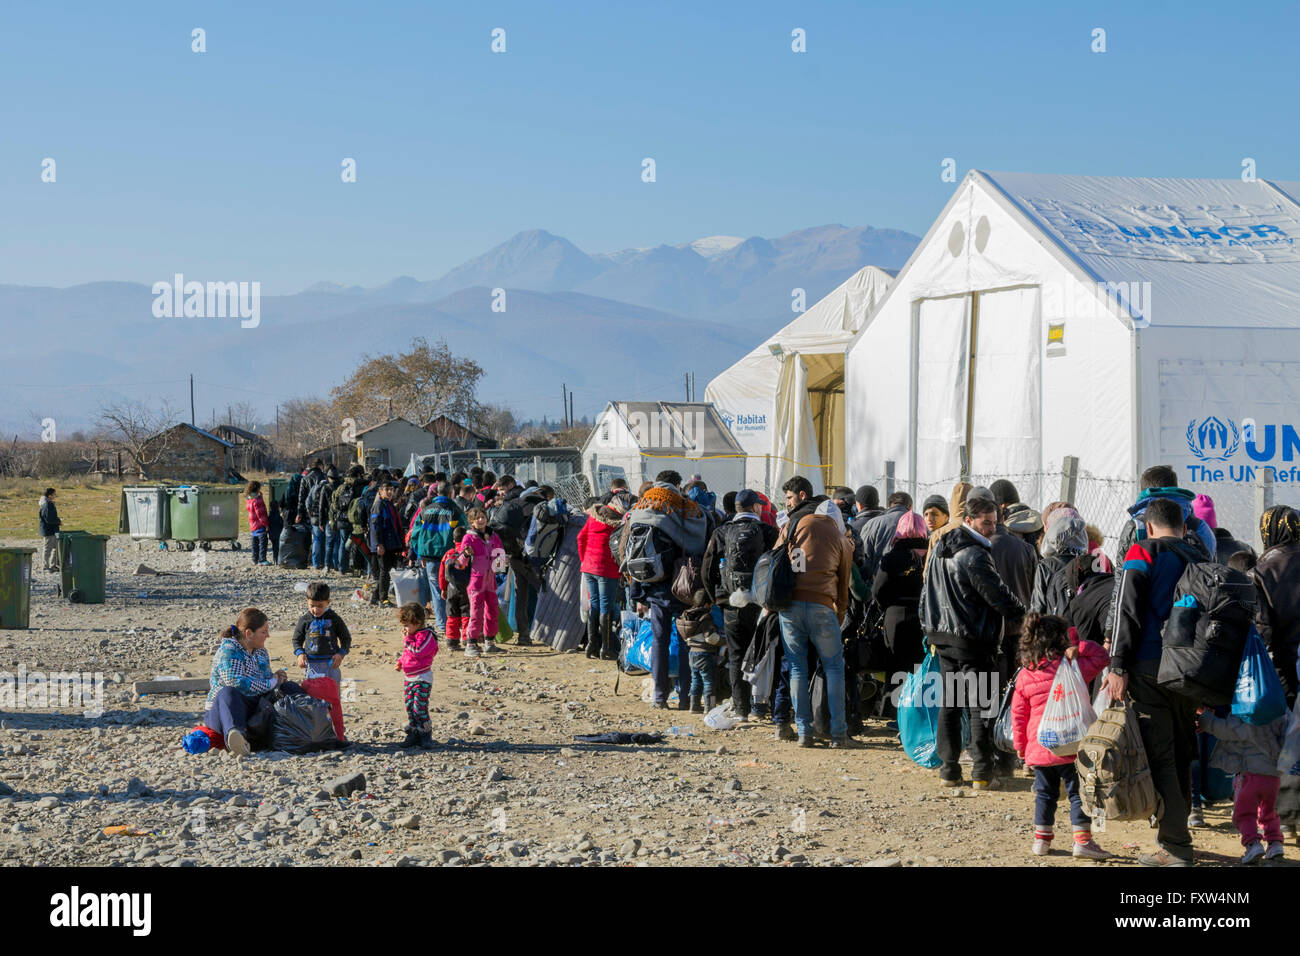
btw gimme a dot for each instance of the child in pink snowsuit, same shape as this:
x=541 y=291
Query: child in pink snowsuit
x=488 y=554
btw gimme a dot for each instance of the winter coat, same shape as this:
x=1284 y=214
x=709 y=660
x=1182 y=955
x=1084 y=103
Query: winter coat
x=877 y=537
x=448 y=584
x=511 y=516
x=1225 y=545
x=711 y=568
x=1016 y=560
x=1243 y=747
x=257 y=520
x=418 y=652
x=49 y=518
x=308 y=482
x=593 y=548
x=1144 y=596
x=1277 y=614
x=433 y=527
x=485 y=551
x=1030 y=700
x=321 y=638
x=827 y=559
x=964 y=601
x=956 y=517
x=696 y=627
x=318 y=502
x=384 y=527
x=339 y=512
x=897 y=589
x=1065 y=539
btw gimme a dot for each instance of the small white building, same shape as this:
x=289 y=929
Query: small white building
x=392 y=444
x=637 y=440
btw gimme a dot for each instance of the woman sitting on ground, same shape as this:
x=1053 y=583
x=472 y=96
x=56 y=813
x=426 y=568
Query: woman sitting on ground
x=241 y=673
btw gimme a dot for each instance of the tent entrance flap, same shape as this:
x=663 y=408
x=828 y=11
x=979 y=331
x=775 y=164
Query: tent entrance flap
x=826 y=402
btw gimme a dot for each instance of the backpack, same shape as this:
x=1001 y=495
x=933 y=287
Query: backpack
x=647 y=558
x=359 y=513
x=744 y=546
x=1205 y=635
x=773 y=578
x=343 y=499
x=550 y=519
x=457 y=575
x=687 y=579
x=1114 y=777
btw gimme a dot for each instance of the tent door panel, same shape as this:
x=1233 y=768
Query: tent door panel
x=942 y=340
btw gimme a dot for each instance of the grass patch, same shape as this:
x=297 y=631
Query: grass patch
x=82 y=506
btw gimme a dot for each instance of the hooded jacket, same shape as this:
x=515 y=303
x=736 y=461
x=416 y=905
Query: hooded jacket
x=877 y=537
x=418 y=651
x=1243 y=747
x=305 y=486
x=1225 y=545
x=827 y=557
x=1144 y=597
x=1065 y=539
x=1030 y=700
x=433 y=527
x=593 y=545
x=1277 y=588
x=963 y=601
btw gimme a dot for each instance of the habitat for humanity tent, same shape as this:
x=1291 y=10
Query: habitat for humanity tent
x=784 y=401
x=1128 y=322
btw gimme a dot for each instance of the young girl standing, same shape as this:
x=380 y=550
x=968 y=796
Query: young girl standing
x=257 y=521
x=488 y=555
x=1044 y=642
x=419 y=646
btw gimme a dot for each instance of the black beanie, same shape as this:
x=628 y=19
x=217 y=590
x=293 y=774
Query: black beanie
x=1004 y=492
x=935 y=501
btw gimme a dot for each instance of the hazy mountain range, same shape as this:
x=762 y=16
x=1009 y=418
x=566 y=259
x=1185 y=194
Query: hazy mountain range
x=612 y=325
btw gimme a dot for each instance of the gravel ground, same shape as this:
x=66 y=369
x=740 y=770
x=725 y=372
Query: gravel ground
x=507 y=785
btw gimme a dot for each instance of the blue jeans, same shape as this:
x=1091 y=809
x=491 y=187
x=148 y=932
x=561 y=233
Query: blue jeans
x=435 y=596
x=331 y=547
x=661 y=626
x=317 y=547
x=703 y=667
x=805 y=624
x=259 y=546
x=1047 y=790
x=603 y=593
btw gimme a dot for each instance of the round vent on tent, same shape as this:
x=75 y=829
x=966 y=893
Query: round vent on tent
x=982 y=233
x=956 y=239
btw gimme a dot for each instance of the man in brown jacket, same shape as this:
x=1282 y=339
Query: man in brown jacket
x=821 y=557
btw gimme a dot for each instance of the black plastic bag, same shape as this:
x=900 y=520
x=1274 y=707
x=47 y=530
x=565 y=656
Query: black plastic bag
x=821 y=703
x=295 y=546
x=302 y=725
x=1003 y=737
x=261 y=723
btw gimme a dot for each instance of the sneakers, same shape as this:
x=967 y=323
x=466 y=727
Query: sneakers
x=1254 y=853
x=785 y=732
x=237 y=744
x=472 y=649
x=523 y=640
x=1042 y=847
x=1196 y=818
x=1161 y=858
x=1274 y=851
x=993 y=784
x=490 y=646
x=1089 y=851
x=950 y=783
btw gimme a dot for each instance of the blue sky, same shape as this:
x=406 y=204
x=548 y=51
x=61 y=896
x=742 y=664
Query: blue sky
x=225 y=165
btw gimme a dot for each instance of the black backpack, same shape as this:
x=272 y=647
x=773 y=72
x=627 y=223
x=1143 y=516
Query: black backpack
x=343 y=504
x=744 y=546
x=1205 y=634
x=317 y=509
x=649 y=555
x=773 y=577
x=551 y=518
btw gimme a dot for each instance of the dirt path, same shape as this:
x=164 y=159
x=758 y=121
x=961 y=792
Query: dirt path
x=508 y=785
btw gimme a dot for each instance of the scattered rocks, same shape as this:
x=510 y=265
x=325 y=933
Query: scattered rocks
x=346 y=784
x=409 y=822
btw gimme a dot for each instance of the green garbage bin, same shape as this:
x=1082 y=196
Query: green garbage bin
x=201 y=515
x=83 y=564
x=147 y=512
x=15 y=587
x=277 y=490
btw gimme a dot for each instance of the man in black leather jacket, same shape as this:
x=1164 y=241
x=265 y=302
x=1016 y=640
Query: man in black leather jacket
x=963 y=605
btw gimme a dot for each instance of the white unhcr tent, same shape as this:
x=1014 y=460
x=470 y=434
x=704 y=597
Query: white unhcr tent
x=784 y=401
x=1125 y=321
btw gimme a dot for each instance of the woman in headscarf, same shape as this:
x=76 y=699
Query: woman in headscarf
x=1277 y=618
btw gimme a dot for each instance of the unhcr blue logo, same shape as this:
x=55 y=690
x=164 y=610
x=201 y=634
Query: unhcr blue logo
x=1208 y=440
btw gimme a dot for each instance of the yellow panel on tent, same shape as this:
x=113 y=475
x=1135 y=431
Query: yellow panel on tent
x=826 y=400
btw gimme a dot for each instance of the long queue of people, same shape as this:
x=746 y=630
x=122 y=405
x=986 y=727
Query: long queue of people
x=982 y=581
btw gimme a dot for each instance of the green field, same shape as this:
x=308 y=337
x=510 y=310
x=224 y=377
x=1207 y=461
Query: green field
x=82 y=507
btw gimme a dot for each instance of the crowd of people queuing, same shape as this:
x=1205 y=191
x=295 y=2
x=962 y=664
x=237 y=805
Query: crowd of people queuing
x=983 y=581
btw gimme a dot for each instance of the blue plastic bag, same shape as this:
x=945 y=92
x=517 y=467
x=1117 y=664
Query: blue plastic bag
x=1259 y=698
x=918 y=712
x=196 y=742
x=637 y=657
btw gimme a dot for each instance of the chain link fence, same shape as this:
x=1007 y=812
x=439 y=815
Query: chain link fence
x=546 y=466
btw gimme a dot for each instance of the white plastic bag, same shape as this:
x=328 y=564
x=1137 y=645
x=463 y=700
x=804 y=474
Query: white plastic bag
x=1068 y=713
x=1102 y=700
x=722 y=717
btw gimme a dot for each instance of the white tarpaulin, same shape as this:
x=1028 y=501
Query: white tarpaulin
x=785 y=398
x=1127 y=322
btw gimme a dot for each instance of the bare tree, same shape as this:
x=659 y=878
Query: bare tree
x=307 y=424
x=139 y=430
x=494 y=421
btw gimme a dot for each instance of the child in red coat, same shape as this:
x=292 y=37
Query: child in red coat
x=257 y=520
x=453 y=581
x=1044 y=641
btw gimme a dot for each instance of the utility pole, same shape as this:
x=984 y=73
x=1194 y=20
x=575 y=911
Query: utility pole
x=686 y=377
x=230 y=416
x=390 y=409
x=570 y=409
x=277 y=423
x=192 y=421
x=564 y=403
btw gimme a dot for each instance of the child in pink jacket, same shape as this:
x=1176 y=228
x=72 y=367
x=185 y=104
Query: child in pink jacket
x=489 y=555
x=1044 y=641
x=419 y=647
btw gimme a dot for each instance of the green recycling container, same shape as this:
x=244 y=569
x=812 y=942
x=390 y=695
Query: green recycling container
x=205 y=514
x=147 y=512
x=15 y=587
x=277 y=490
x=83 y=564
